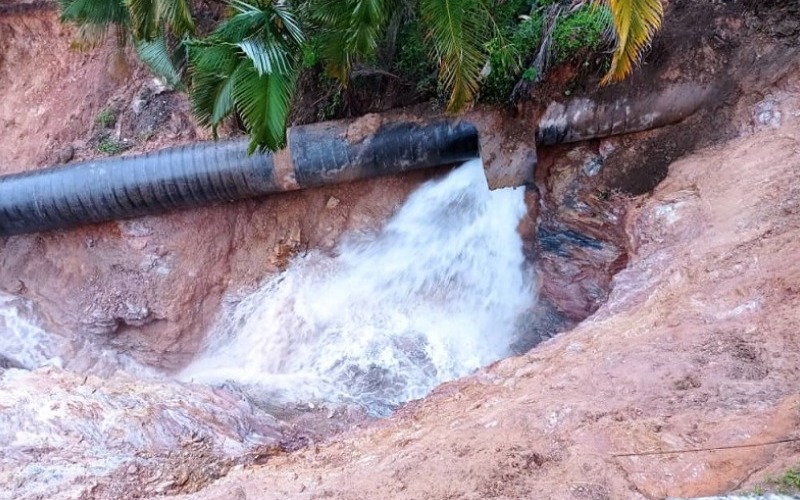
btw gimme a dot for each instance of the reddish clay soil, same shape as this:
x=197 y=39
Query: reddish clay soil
x=694 y=345
x=695 y=349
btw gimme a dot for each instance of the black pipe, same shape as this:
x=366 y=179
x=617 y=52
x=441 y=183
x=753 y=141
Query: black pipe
x=583 y=119
x=199 y=174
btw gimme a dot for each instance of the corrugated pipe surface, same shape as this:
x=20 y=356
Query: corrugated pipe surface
x=204 y=173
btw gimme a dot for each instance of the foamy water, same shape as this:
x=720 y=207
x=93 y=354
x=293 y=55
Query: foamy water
x=23 y=343
x=432 y=297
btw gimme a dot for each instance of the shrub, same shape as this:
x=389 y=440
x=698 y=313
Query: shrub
x=106 y=118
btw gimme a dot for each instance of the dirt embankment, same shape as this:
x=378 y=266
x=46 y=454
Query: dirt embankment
x=695 y=351
x=693 y=346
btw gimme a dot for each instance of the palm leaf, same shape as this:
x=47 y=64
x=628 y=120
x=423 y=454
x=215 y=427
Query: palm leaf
x=457 y=31
x=264 y=102
x=177 y=16
x=349 y=30
x=157 y=56
x=635 y=24
x=94 y=12
x=212 y=66
x=144 y=18
x=249 y=64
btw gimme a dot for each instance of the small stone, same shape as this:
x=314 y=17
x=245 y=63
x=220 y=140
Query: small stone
x=181 y=477
x=163 y=486
x=593 y=166
x=137 y=105
x=333 y=202
x=67 y=154
x=133 y=469
x=138 y=243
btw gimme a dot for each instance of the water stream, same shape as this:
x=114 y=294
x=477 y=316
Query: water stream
x=436 y=294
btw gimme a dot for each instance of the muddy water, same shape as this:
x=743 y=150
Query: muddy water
x=433 y=296
x=438 y=292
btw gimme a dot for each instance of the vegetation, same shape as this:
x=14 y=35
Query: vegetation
x=461 y=50
x=787 y=483
x=106 y=118
x=635 y=23
x=112 y=146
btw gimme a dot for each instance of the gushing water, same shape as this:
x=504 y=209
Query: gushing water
x=22 y=343
x=432 y=297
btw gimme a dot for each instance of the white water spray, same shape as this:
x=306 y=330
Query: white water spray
x=23 y=343
x=435 y=295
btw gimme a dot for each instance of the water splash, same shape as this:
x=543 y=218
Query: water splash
x=27 y=345
x=432 y=297
x=23 y=344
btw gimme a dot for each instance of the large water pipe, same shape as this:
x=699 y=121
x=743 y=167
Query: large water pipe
x=582 y=119
x=323 y=153
x=203 y=173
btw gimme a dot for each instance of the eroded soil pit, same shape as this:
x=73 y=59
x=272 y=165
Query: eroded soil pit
x=689 y=291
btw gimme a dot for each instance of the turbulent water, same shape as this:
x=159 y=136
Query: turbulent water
x=25 y=344
x=22 y=343
x=433 y=296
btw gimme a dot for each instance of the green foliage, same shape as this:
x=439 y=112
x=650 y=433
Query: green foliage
x=332 y=105
x=524 y=37
x=249 y=64
x=580 y=32
x=151 y=19
x=411 y=60
x=162 y=61
x=349 y=30
x=106 y=118
x=635 y=23
x=530 y=74
x=94 y=12
x=787 y=483
x=111 y=146
x=456 y=31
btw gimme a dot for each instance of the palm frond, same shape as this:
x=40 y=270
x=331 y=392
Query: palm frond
x=157 y=56
x=150 y=17
x=144 y=18
x=94 y=12
x=350 y=29
x=250 y=65
x=457 y=31
x=177 y=16
x=264 y=102
x=212 y=68
x=635 y=24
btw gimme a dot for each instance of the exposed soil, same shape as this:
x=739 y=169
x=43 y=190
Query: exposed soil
x=695 y=349
x=691 y=291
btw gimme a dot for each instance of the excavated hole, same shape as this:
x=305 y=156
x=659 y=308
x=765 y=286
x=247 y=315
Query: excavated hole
x=459 y=278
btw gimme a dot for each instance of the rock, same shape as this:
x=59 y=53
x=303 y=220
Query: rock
x=138 y=104
x=181 y=476
x=333 y=202
x=163 y=486
x=105 y=425
x=593 y=166
x=66 y=154
x=767 y=113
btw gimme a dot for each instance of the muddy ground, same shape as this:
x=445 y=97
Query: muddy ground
x=684 y=383
x=690 y=291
